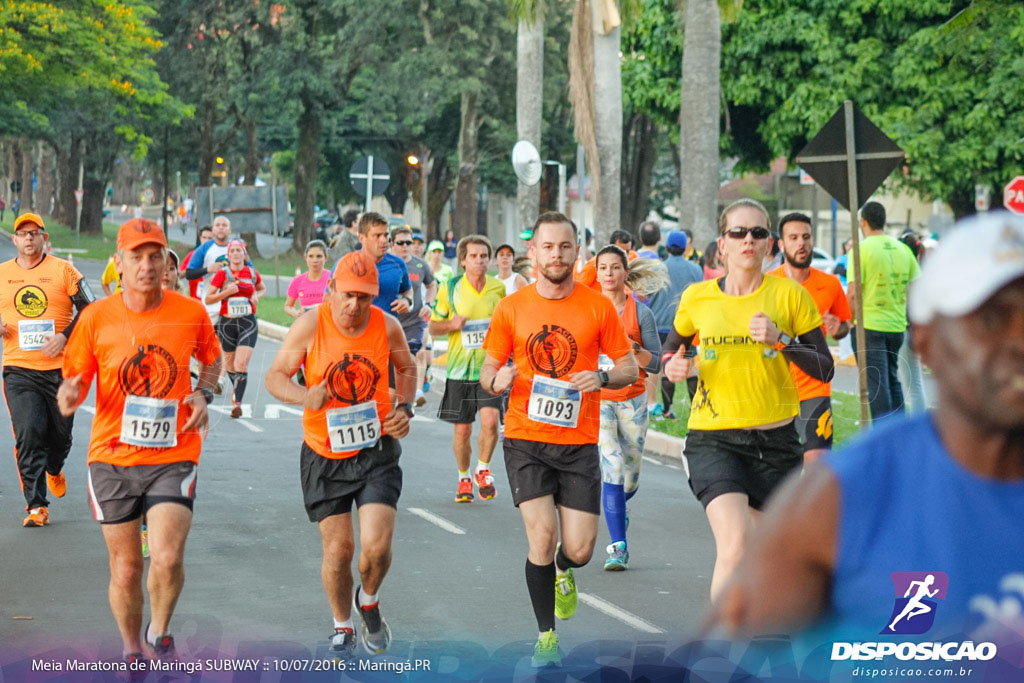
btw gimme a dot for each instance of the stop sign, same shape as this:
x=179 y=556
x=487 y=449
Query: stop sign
x=1013 y=195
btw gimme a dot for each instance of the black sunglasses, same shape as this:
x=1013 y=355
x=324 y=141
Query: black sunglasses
x=403 y=243
x=741 y=233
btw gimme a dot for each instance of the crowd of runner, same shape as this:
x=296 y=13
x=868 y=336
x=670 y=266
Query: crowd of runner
x=562 y=358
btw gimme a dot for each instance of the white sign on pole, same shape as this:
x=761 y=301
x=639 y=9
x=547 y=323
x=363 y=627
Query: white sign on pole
x=78 y=197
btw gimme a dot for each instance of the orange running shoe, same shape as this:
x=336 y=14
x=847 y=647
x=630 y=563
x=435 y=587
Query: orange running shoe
x=236 y=410
x=37 y=517
x=57 y=484
x=485 y=484
x=465 y=493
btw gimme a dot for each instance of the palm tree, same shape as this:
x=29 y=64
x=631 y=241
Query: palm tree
x=529 y=93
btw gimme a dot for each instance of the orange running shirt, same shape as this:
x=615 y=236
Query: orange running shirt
x=31 y=303
x=631 y=326
x=554 y=338
x=829 y=297
x=356 y=369
x=139 y=354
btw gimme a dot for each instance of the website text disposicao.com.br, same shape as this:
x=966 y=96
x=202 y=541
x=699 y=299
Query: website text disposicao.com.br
x=912 y=672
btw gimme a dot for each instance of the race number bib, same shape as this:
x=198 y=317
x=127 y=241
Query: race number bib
x=239 y=306
x=353 y=428
x=149 y=422
x=554 y=402
x=473 y=333
x=32 y=334
x=605 y=363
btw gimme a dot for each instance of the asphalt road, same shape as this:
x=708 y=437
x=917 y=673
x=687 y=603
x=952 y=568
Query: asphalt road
x=253 y=559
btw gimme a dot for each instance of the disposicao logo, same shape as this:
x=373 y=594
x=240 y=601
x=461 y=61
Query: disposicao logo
x=916 y=600
x=917 y=594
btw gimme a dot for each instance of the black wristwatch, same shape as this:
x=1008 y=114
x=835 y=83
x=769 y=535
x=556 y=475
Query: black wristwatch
x=784 y=341
x=603 y=377
x=408 y=409
x=207 y=394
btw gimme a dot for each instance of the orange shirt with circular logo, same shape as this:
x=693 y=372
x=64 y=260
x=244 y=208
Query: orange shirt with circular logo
x=141 y=354
x=39 y=294
x=356 y=369
x=554 y=338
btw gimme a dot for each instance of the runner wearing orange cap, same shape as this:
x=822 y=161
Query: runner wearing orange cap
x=146 y=434
x=350 y=452
x=554 y=330
x=236 y=287
x=38 y=295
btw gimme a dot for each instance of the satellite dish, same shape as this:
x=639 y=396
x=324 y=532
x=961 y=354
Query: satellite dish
x=526 y=162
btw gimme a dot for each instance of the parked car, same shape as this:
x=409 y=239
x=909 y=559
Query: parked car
x=822 y=260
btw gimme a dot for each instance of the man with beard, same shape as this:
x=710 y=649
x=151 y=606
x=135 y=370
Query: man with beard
x=814 y=424
x=554 y=331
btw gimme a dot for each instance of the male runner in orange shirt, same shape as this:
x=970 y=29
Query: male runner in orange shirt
x=38 y=295
x=814 y=424
x=146 y=434
x=554 y=331
x=350 y=452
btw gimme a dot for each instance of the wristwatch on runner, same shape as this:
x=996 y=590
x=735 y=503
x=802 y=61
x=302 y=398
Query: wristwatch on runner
x=603 y=377
x=784 y=341
x=408 y=409
x=207 y=394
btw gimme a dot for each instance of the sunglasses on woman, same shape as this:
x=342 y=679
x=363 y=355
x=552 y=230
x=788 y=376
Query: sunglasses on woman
x=739 y=233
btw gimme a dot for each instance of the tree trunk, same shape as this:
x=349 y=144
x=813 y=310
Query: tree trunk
x=438 y=191
x=465 y=187
x=68 y=160
x=961 y=200
x=92 y=205
x=699 y=120
x=529 y=105
x=16 y=162
x=306 y=162
x=125 y=177
x=98 y=164
x=206 y=146
x=28 y=163
x=638 y=156
x=608 y=131
x=45 y=194
x=252 y=151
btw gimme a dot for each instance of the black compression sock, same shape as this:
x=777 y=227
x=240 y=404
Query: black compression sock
x=241 y=379
x=540 y=581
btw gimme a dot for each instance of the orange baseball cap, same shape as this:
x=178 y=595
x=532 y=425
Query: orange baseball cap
x=28 y=219
x=139 y=231
x=356 y=273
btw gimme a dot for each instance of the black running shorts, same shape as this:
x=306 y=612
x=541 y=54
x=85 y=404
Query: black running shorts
x=750 y=461
x=814 y=424
x=120 y=494
x=235 y=332
x=570 y=473
x=329 y=486
x=462 y=400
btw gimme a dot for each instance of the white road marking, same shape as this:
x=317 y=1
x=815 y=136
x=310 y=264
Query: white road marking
x=602 y=605
x=422 y=418
x=651 y=460
x=439 y=521
x=88 y=409
x=245 y=423
x=272 y=411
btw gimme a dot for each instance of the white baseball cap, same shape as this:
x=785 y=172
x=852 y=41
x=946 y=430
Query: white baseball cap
x=978 y=258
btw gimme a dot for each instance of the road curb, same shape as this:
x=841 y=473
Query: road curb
x=664 y=445
x=271 y=330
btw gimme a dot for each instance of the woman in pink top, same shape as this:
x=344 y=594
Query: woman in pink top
x=308 y=288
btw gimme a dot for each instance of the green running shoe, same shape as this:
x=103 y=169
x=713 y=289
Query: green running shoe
x=566 y=596
x=545 y=652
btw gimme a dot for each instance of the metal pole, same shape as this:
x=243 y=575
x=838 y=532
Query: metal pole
x=78 y=209
x=814 y=215
x=858 y=299
x=211 y=212
x=369 y=183
x=273 y=216
x=582 y=224
x=178 y=174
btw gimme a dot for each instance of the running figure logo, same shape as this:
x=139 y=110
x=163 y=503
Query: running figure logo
x=151 y=372
x=552 y=351
x=914 y=612
x=353 y=380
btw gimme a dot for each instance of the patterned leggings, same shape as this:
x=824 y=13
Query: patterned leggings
x=621 y=440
